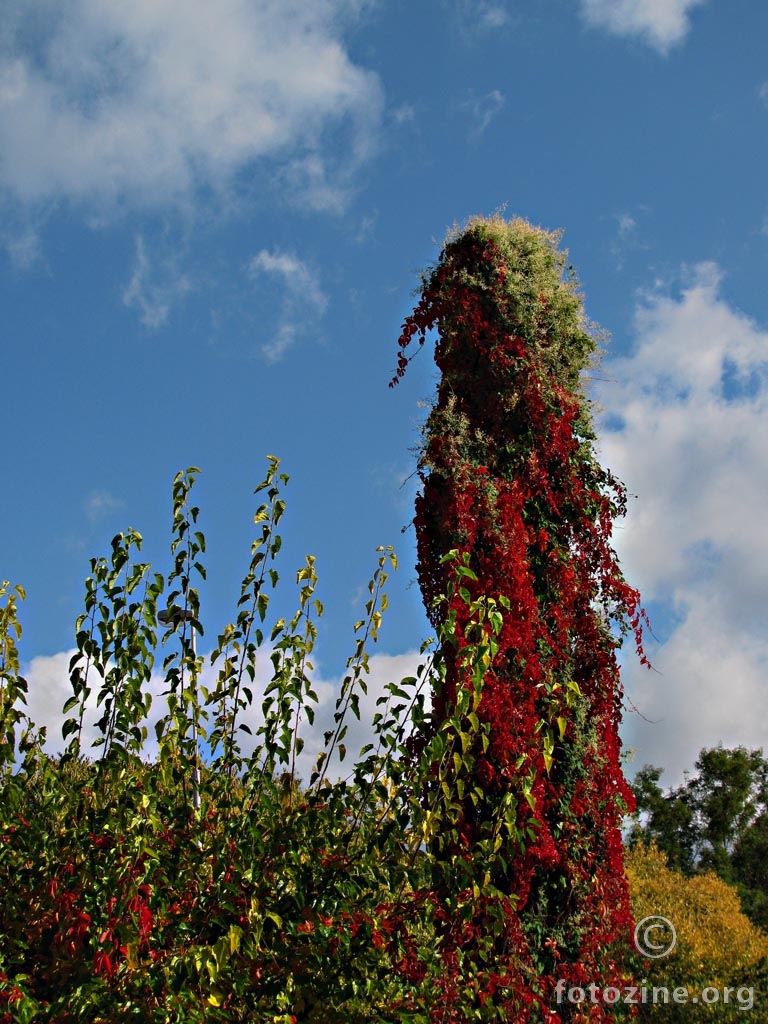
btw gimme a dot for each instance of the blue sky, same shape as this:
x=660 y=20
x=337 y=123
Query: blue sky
x=212 y=219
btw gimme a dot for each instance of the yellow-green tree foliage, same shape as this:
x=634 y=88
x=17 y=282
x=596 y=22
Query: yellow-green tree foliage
x=717 y=947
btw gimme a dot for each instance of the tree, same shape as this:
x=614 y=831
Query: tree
x=715 y=946
x=750 y=869
x=667 y=819
x=514 y=500
x=725 y=795
x=716 y=820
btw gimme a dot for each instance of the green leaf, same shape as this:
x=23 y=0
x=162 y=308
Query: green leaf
x=235 y=935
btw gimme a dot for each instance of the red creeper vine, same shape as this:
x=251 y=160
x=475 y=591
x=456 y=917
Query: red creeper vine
x=512 y=489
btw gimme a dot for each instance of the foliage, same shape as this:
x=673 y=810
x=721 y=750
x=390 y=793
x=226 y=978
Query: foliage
x=716 y=947
x=15 y=727
x=223 y=888
x=472 y=854
x=172 y=891
x=515 y=500
x=716 y=820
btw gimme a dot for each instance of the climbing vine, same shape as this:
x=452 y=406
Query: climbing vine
x=514 y=494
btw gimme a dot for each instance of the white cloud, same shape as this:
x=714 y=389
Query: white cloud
x=661 y=23
x=626 y=224
x=687 y=420
x=483 y=109
x=101 y=503
x=367 y=226
x=482 y=14
x=147 y=101
x=154 y=286
x=48 y=682
x=492 y=15
x=384 y=669
x=22 y=246
x=283 y=338
x=296 y=275
x=405 y=113
x=311 y=184
x=49 y=688
x=626 y=238
x=303 y=300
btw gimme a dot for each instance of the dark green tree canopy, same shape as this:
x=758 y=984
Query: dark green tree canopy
x=716 y=820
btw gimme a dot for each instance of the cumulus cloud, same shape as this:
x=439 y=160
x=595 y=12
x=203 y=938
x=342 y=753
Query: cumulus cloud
x=101 y=100
x=661 y=23
x=384 y=669
x=48 y=682
x=684 y=423
x=49 y=688
x=303 y=301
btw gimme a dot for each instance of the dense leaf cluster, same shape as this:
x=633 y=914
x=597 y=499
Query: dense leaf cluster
x=716 y=820
x=513 y=486
x=210 y=881
x=719 y=958
x=472 y=853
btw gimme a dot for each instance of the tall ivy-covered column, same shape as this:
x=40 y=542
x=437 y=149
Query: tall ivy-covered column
x=511 y=484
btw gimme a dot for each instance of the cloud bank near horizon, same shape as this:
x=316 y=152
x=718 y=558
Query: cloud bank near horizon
x=48 y=680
